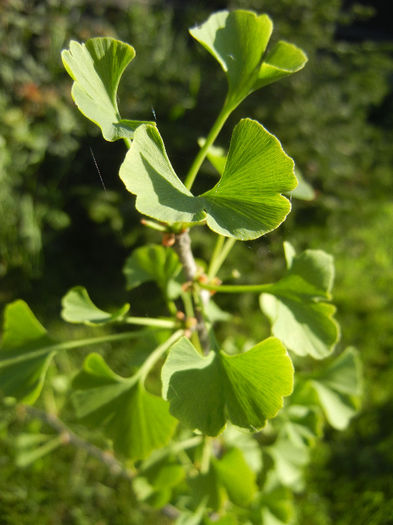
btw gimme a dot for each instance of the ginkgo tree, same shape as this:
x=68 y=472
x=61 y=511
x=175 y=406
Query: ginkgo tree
x=198 y=439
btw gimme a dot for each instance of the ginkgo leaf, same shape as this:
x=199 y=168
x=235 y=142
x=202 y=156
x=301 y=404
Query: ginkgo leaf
x=96 y=68
x=77 y=307
x=247 y=389
x=25 y=353
x=246 y=202
x=236 y=476
x=154 y=263
x=136 y=420
x=294 y=304
x=339 y=387
x=289 y=460
x=238 y=41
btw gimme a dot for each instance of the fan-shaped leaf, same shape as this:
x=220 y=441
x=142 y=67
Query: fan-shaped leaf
x=79 y=308
x=303 y=323
x=339 y=388
x=137 y=421
x=154 y=263
x=25 y=353
x=246 y=388
x=246 y=202
x=236 y=476
x=96 y=68
x=238 y=41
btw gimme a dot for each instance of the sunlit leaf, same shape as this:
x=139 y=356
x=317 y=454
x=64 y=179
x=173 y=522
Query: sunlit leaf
x=77 y=307
x=96 y=68
x=25 y=353
x=296 y=312
x=246 y=203
x=238 y=41
x=137 y=421
x=246 y=388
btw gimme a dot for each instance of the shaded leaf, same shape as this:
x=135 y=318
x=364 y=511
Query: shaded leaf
x=154 y=263
x=246 y=388
x=25 y=353
x=277 y=505
x=339 y=388
x=236 y=476
x=234 y=437
x=303 y=191
x=297 y=315
x=77 y=307
x=96 y=68
x=137 y=421
x=238 y=40
x=301 y=424
x=246 y=202
x=290 y=461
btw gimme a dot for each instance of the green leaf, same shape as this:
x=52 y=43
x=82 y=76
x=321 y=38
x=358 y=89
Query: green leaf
x=238 y=40
x=137 y=421
x=243 y=440
x=96 y=68
x=30 y=451
x=246 y=202
x=277 y=502
x=298 y=317
x=339 y=388
x=303 y=191
x=147 y=173
x=301 y=424
x=154 y=263
x=290 y=461
x=77 y=307
x=207 y=491
x=236 y=476
x=246 y=388
x=25 y=353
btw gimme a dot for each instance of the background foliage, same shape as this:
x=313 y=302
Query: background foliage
x=59 y=228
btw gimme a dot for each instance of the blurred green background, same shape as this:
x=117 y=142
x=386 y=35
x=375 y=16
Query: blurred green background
x=58 y=228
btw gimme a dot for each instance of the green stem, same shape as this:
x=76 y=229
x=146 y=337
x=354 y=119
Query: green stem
x=215 y=255
x=172 y=448
x=128 y=143
x=219 y=258
x=71 y=345
x=149 y=321
x=188 y=306
x=200 y=157
x=206 y=454
x=156 y=354
x=240 y=288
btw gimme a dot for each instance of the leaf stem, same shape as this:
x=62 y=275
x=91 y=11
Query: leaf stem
x=200 y=157
x=239 y=288
x=70 y=345
x=206 y=454
x=182 y=247
x=127 y=142
x=156 y=354
x=218 y=258
x=149 y=321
